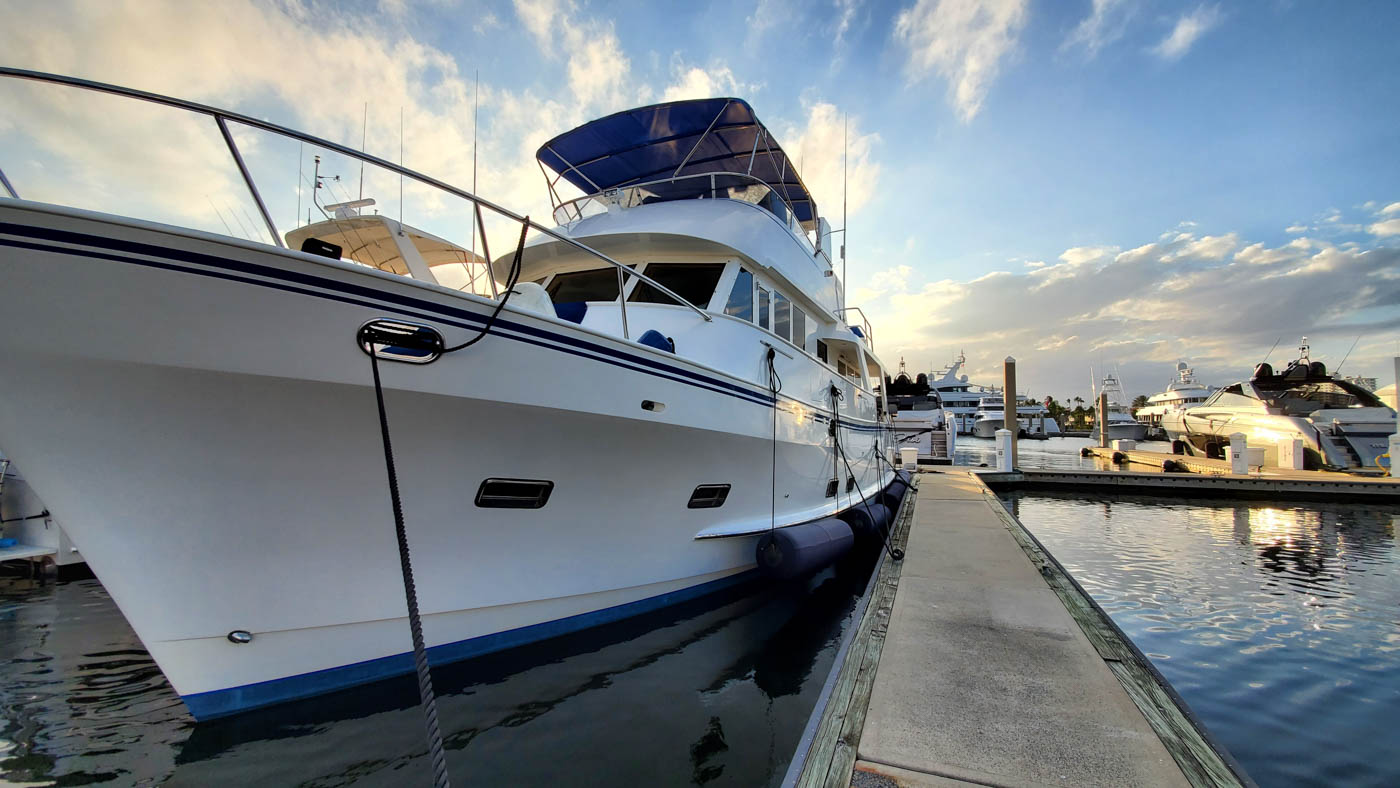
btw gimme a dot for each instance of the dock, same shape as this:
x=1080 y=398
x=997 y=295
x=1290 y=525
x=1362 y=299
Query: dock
x=979 y=661
x=1199 y=477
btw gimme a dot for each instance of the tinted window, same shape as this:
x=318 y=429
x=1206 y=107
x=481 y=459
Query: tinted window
x=821 y=350
x=695 y=282
x=599 y=284
x=782 y=316
x=741 y=297
x=763 y=307
x=799 y=328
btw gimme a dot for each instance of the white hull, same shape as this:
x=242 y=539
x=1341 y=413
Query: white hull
x=198 y=415
x=1127 y=431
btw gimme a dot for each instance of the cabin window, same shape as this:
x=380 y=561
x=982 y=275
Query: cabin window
x=741 y=297
x=762 y=308
x=821 y=350
x=599 y=284
x=782 y=316
x=695 y=282
x=799 y=328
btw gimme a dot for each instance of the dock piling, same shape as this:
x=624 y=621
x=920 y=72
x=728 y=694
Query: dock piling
x=1010 y=413
x=1101 y=419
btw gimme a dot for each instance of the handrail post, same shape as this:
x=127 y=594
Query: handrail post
x=6 y=183
x=248 y=179
x=486 y=251
x=622 y=299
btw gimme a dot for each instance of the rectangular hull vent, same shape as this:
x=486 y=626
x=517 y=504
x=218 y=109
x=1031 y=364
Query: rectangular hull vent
x=708 y=496
x=513 y=493
x=831 y=488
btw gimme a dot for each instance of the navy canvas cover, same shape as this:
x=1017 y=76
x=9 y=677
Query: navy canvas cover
x=650 y=143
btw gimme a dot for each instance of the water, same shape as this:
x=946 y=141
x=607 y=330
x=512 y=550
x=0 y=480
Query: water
x=716 y=691
x=1279 y=625
x=1050 y=454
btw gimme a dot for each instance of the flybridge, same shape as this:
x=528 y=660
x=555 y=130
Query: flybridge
x=675 y=140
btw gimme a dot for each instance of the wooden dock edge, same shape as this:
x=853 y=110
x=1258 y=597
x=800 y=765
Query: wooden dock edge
x=826 y=753
x=1202 y=759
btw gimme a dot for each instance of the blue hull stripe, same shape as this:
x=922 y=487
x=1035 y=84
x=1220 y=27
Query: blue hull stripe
x=220 y=703
x=378 y=296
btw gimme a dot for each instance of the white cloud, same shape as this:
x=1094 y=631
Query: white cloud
x=1189 y=28
x=1387 y=227
x=694 y=82
x=846 y=12
x=1219 y=302
x=1294 y=229
x=963 y=41
x=816 y=147
x=1390 y=209
x=1104 y=25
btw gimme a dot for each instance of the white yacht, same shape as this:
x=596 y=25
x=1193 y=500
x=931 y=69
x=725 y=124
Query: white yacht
x=962 y=400
x=1032 y=421
x=28 y=530
x=1342 y=426
x=1121 y=424
x=665 y=382
x=1184 y=392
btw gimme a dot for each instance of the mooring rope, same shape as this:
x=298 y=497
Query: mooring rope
x=894 y=552
x=428 y=698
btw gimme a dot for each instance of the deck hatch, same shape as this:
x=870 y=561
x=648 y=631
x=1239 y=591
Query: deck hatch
x=708 y=496
x=514 y=493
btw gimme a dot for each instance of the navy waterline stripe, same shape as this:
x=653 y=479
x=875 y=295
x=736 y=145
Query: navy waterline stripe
x=65 y=236
x=219 y=703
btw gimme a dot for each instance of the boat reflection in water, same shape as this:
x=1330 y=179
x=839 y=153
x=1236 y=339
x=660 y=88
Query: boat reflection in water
x=1275 y=623
x=712 y=691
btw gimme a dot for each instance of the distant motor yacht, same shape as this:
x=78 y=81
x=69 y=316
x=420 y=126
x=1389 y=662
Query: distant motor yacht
x=1032 y=421
x=1121 y=424
x=1342 y=425
x=1184 y=392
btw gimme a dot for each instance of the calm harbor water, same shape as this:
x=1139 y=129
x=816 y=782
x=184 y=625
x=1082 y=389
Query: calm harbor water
x=1279 y=624
x=1051 y=453
x=716 y=691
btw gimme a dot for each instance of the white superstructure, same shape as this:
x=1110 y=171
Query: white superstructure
x=673 y=375
x=1121 y=424
x=1184 y=392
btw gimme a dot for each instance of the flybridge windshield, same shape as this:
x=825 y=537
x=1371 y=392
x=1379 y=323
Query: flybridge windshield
x=1308 y=397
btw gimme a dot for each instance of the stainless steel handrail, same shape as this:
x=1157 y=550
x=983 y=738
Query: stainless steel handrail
x=711 y=175
x=221 y=116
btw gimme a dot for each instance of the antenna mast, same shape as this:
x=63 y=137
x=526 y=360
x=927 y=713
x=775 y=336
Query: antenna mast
x=400 y=169
x=845 y=232
x=364 y=131
x=476 y=106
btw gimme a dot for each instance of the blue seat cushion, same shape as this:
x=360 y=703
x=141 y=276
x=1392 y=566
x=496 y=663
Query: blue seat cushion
x=657 y=340
x=572 y=311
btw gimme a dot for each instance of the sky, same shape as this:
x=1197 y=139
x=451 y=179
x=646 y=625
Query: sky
x=1119 y=184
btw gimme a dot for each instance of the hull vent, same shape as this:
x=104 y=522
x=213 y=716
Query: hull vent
x=708 y=496
x=514 y=493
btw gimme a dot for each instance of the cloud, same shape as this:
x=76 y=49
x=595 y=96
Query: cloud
x=1189 y=27
x=1294 y=229
x=1389 y=209
x=1104 y=25
x=846 y=12
x=963 y=41
x=816 y=147
x=692 y=82
x=1214 y=299
x=1387 y=227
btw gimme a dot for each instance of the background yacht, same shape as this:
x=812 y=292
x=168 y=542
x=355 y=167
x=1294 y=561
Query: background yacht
x=1184 y=392
x=1121 y=424
x=204 y=417
x=1032 y=421
x=1342 y=425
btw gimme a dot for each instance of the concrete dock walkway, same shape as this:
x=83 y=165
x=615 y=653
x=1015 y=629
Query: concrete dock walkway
x=985 y=677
